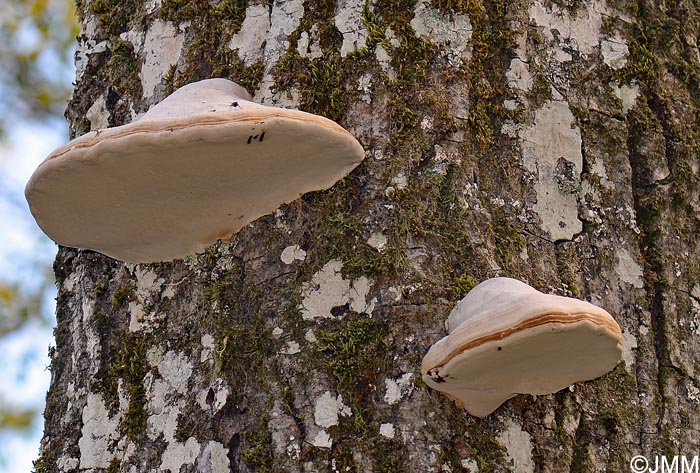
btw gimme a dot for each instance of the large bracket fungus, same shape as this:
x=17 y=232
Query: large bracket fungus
x=196 y=168
x=506 y=338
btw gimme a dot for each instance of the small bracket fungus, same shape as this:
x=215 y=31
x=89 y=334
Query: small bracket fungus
x=506 y=338
x=196 y=168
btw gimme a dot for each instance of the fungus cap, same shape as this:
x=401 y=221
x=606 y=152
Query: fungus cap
x=506 y=338
x=196 y=168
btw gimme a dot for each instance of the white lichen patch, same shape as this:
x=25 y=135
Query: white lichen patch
x=628 y=269
x=511 y=129
x=384 y=61
x=99 y=434
x=83 y=334
x=291 y=348
x=387 y=430
x=97 y=114
x=378 y=241
x=518 y=76
x=357 y=296
x=277 y=333
x=310 y=336
x=163 y=413
x=176 y=370
x=67 y=463
x=695 y=312
x=214 y=458
x=400 y=181
x=450 y=32
x=207 y=353
x=328 y=409
x=348 y=21
x=250 y=39
x=308 y=44
x=178 y=454
x=328 y=289
x=169 y=291
x=364 y=85
x=153 y=5
x=293 y=450
x=628 y=354
x=154 y=355
x=148 y=284
x=162 y=47
x=83 y=51
x=518 y=447
x=627 y=94
x=580 y=33
x=322 y=440
x=552 y=152
x=136 y=315
x=398 y=388
x=284 y=19
x=214 y=397
x=598 y=168
x=292 y=253
x=71 y=281
x=614 y=52
x=470 y=465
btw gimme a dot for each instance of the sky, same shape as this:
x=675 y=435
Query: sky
x=26 y=255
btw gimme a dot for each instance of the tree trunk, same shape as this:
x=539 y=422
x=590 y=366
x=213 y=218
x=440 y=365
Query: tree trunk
x=551 y=141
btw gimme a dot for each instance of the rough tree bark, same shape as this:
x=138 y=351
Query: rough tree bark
x=551 y=141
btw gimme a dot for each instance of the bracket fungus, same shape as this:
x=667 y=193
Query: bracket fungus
x=506 y=338
x=196 y=168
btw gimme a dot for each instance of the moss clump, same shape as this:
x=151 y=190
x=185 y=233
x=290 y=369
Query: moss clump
x=390 y=455
x=509 y=240
x=123 y=69
x=123 y=295
x=227 y=287
x=115 y=16
x=209 y=55
x=243 y=341
x=46 y=463
x=126 y=363
x=114 y=466
x=436 y=214
x=340 y=233
x=100 y=290
x=540 y=92
x=231 y=12
x=129 y=364
x=462 y=285
x=257 y=451
x=243 y=348
x=321 y=82
x=486 y=450
x=356 y=356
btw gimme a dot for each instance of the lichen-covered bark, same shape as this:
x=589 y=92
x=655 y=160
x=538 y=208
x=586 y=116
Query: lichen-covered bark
x=554 y=142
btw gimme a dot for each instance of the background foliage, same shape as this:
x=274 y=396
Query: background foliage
x=37 y=38
x=36 y=61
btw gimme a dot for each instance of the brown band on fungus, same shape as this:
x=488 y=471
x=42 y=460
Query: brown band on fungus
x=539 y=321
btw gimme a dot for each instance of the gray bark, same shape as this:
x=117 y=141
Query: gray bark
x=554 y=142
